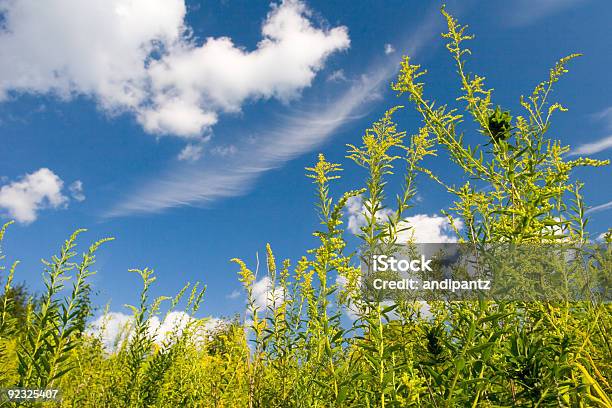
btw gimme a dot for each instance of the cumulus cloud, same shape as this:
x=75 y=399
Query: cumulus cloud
x=428 y=229
x=111 y=328
x=265 y=295
x=174 y=321
x=24 y=198
x=101 y=53
x=356 y=209
x=115 y=327
x=421 y=228
x=138 y=56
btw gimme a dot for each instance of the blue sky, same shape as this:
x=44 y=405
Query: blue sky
x=183 y=129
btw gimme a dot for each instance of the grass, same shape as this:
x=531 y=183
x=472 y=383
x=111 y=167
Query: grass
x=299 y=351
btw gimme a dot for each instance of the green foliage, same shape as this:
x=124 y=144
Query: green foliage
x=297 y=350
x=54 y=328
x=499 y=125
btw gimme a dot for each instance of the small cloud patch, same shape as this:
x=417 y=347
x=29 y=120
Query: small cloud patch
x=191 y=153
x=24 y=198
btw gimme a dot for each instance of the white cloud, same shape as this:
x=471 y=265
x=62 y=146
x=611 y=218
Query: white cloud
x=524 y=12
x=356 y=218
x=389 y=49
x=172 y=115
x=173 y=321
x=220 y=75
x=593 y=147
x=191 y=152
x=600 y=207
x=337 y=76
x=235 y=294
x=290 y=136
x=115 y=327
x=112 y=328
x=605 y=115
x=139 y=56
x=96 y=48
x=22 y=199
x=265 y=295
x=224 y=151
x=76 y=190
x=421 y=228
x=428 y=229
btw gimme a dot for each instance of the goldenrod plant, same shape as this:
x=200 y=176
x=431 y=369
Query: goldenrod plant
x=524 y=178
x=319 y=340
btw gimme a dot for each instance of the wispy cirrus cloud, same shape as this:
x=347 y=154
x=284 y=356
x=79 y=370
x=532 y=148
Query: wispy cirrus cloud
x=594 y=147
x=605 y=117
x=524 y=12
x=297 y=133
x=600 y=207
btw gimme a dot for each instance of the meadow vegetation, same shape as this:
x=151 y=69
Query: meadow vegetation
x=302 y=350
